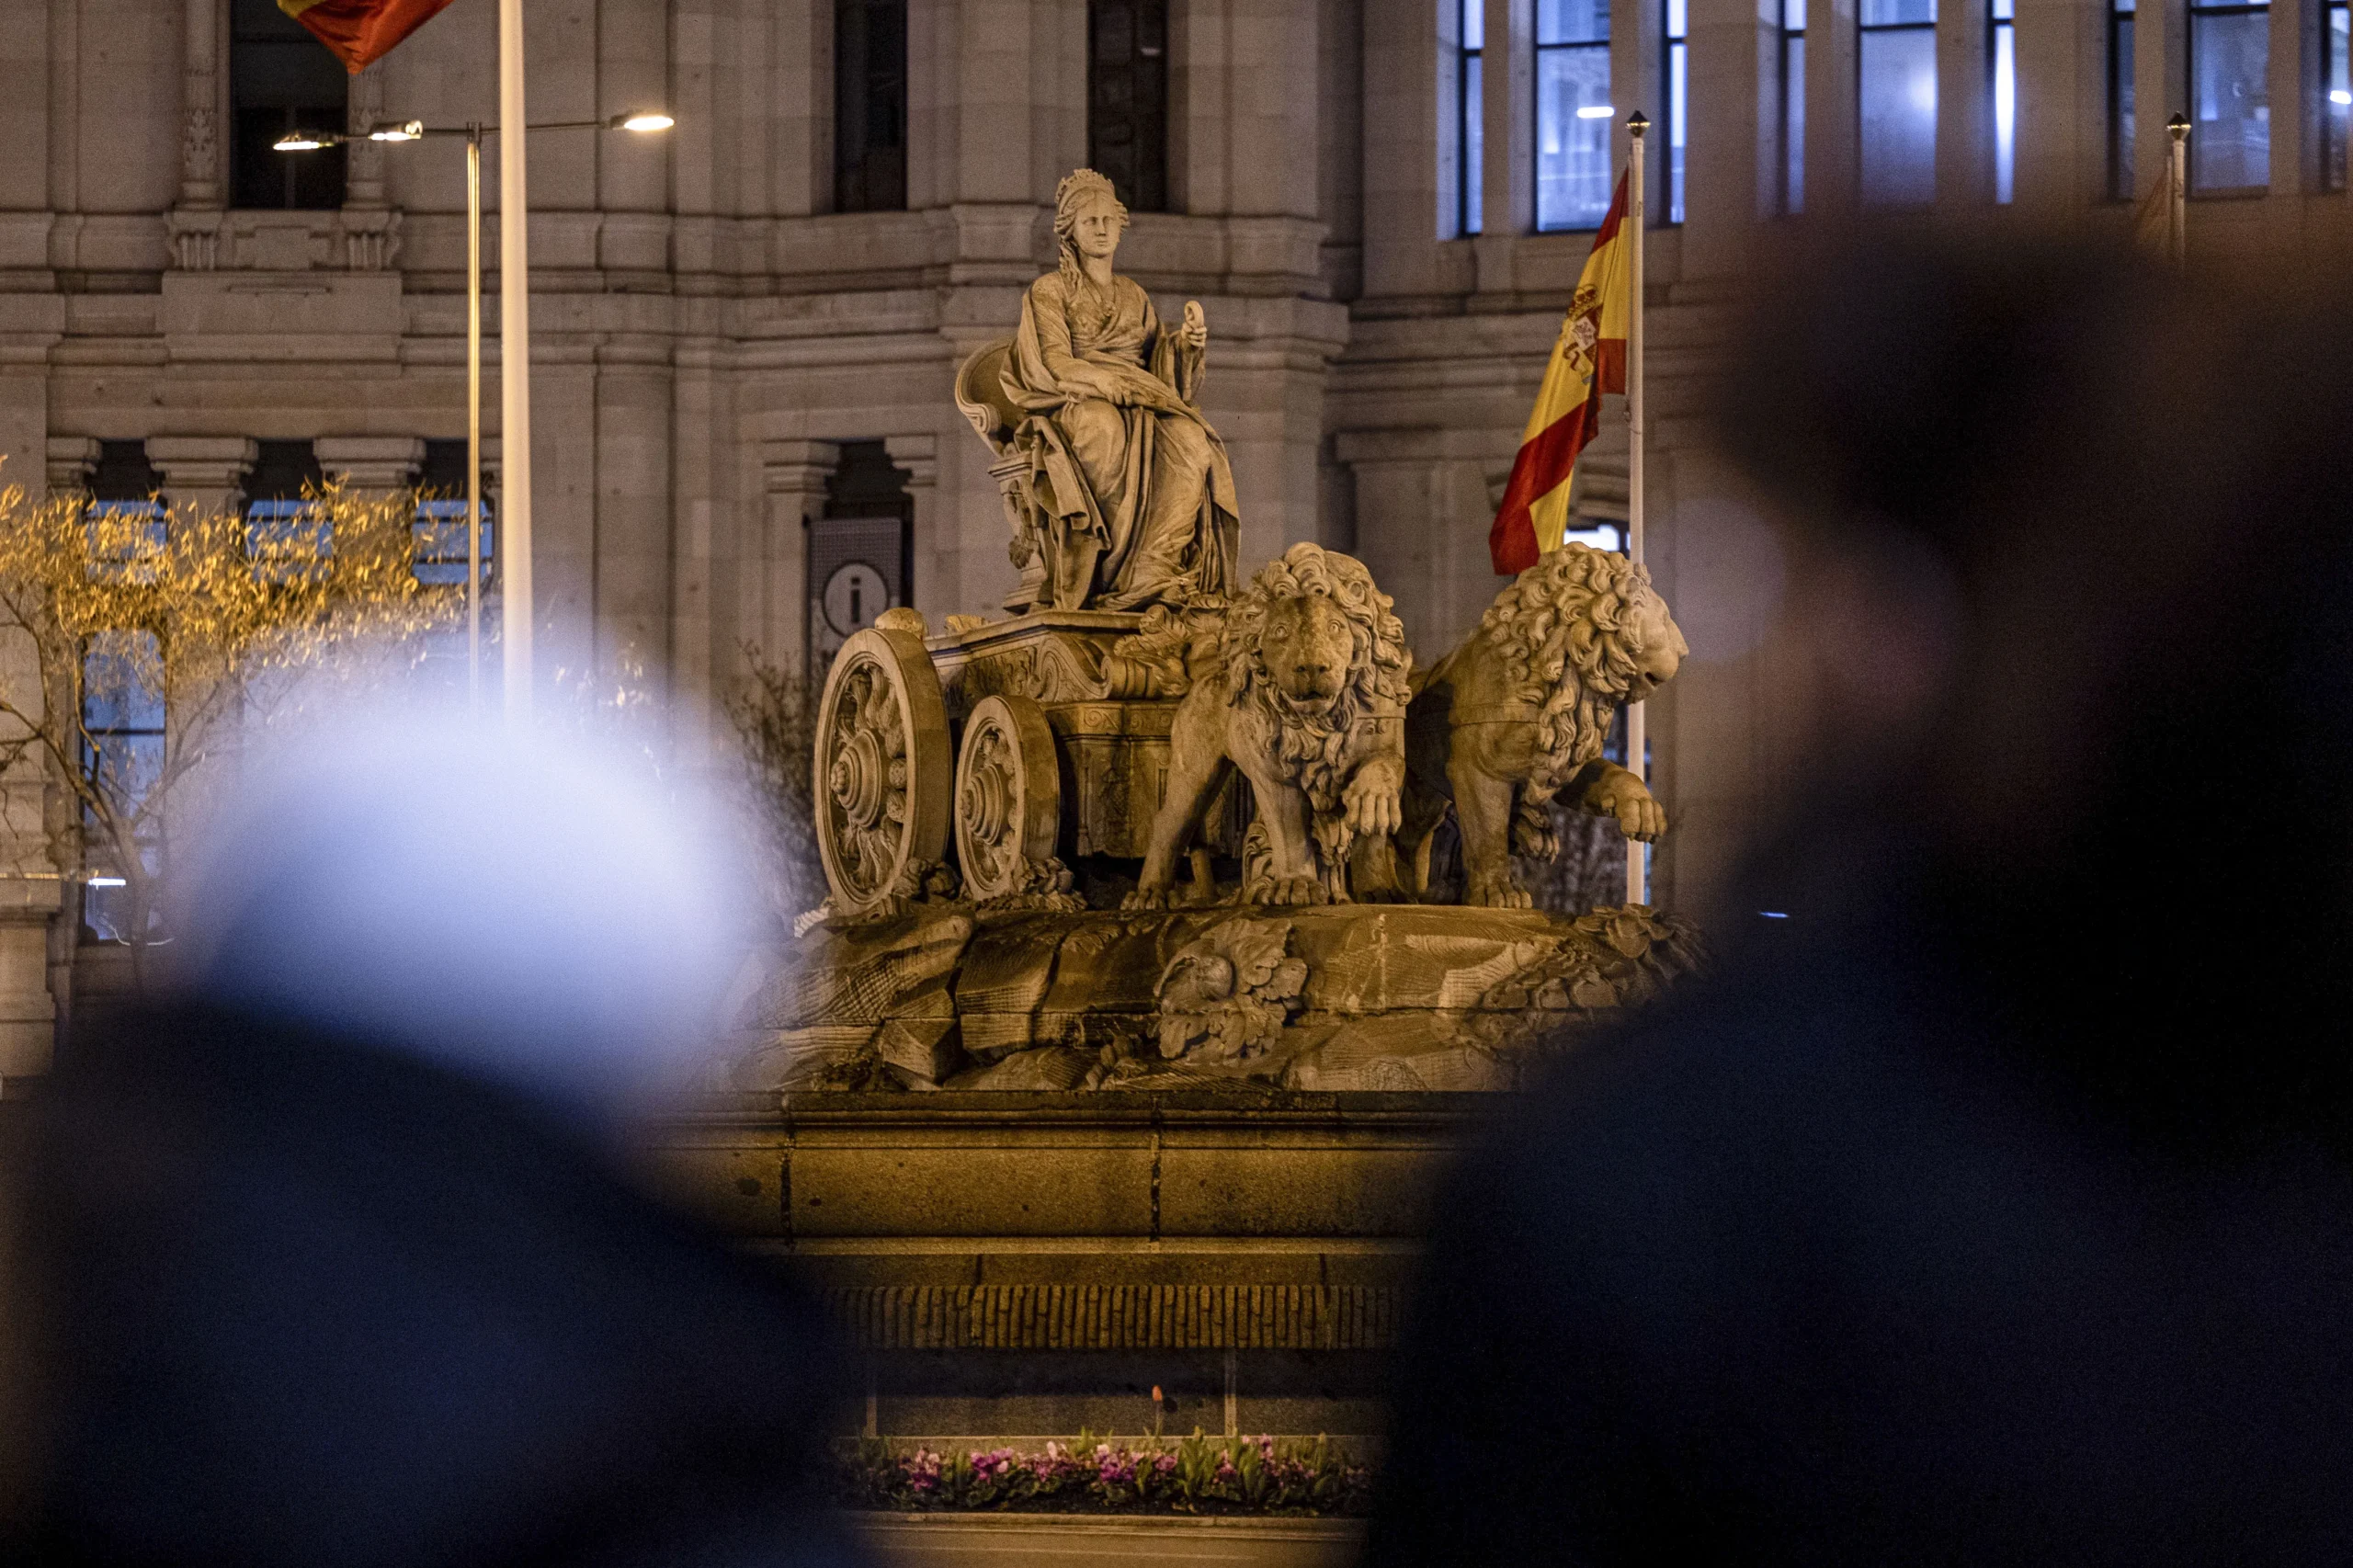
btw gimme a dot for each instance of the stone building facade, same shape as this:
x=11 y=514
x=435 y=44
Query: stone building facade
x=725 y=350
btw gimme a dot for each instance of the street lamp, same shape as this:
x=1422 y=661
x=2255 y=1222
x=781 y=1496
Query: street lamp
x=515 y=371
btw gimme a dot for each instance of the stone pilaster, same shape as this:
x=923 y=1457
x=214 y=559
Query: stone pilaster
x=776 y=586
x=933 y=589
x=370 y=463
x=205 y=472
x=71 y=460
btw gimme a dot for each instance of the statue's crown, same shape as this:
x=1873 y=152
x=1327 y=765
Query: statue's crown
x=1079 y=184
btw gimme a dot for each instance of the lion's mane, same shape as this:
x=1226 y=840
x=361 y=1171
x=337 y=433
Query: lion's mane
x=1566 y=630
x=1312 y=747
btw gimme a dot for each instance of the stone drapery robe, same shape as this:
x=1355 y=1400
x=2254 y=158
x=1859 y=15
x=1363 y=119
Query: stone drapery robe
x=1150 y=480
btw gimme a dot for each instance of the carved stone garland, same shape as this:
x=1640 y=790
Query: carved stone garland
x=882 y=774
x=1008 y=807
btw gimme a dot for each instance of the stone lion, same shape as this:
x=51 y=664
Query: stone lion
x=1305 y=694
x=1517 y=715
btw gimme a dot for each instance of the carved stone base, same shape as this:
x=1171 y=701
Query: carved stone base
x=1345 y=997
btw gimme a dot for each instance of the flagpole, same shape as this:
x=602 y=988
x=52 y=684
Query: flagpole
x=1638 y=215
x=2178 y=198
x=473 y=418
x=514 y=369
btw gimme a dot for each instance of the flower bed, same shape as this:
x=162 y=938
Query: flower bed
x=1198 y=1475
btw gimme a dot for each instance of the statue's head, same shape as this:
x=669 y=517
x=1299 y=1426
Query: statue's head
x=1581 y=631
x=1312 y=638
x=1088 y=216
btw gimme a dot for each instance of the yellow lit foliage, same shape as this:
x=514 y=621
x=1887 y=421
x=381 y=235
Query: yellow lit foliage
x=234 y=615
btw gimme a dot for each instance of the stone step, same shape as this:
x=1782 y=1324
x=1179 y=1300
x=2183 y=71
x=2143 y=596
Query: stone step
x=1066 y=1541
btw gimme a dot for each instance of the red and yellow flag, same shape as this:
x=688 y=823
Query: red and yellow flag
x=361 y=32
x=1588 y=360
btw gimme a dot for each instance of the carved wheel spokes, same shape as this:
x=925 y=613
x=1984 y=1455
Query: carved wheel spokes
x=882 y=767
x=1008 y=796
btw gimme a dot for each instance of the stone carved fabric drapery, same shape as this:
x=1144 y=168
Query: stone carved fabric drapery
x=1139 y=470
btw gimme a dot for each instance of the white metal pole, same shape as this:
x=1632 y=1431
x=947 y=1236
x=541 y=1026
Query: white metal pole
x=513 y=368
x=2177 y=203
x=473 y=417
x=1638 y=216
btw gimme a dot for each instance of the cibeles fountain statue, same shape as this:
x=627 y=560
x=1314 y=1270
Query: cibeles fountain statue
x=1164 y=826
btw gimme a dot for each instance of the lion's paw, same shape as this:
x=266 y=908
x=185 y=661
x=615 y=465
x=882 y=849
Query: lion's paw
x=1148 y=898
x=1290 y=890
x=1497 y=890
x=1531 y=841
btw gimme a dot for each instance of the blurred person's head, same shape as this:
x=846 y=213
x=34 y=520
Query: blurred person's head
x=534 y=909
x=326 y=1256
x=2071 y=572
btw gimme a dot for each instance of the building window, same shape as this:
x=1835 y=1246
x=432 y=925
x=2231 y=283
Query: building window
x=2002 y=59
x=288 y=533
x=1896 y=81
x=2336 y=100
x=1127 y=98
x=869 y=106
x=1465 y=158
x=1573 y=113
x=282 y=79
x=861 y=551
x=122 y=755
x=2230 y=69
x=1677 y=86
x=2119 y=100
x=441 y=519
x=1790 y=173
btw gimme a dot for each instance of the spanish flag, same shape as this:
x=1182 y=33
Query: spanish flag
x=361 y=32
x=1588 y=360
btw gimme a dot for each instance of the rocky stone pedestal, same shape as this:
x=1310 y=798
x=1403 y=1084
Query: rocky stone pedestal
x=1396 y=997
x=1188 y=1150
x=1026 y=1265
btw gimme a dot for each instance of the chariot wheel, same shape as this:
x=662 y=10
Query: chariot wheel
x=881 y=769
x=1008 y=796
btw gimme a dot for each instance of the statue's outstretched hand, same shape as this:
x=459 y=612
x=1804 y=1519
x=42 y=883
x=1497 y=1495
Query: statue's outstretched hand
x=1195 y=332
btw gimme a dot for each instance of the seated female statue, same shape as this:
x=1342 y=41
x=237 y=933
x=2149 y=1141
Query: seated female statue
x=1138 y=488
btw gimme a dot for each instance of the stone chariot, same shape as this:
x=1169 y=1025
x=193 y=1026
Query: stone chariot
x=1036 y=745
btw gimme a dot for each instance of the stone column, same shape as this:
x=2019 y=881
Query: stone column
x=370 y=464
x=935 y=589
x=2062 y=109
x=2160 y=86
x=775 y=611
x=1507 y=106
x=1832 y=173
x=1964 y=108
x=634 y=523
x=1423 y=500
x=71 y=460
x=205 y=472
x=2297 y=99
x=364 y=160
x=1733 y=135
x=801 y=112
x=203 y=86
x=31 y=893
x=1401 y=141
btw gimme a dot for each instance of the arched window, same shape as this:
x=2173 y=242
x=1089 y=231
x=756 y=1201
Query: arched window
x=2230 y=98
x=1574 y=172
x=282 y=79
x=1127 y=98
x=1896 y=71
x=869 y=106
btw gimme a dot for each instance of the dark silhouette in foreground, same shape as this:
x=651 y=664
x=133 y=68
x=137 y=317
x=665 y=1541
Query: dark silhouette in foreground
x=1997 y=1205
x=302 y=1278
